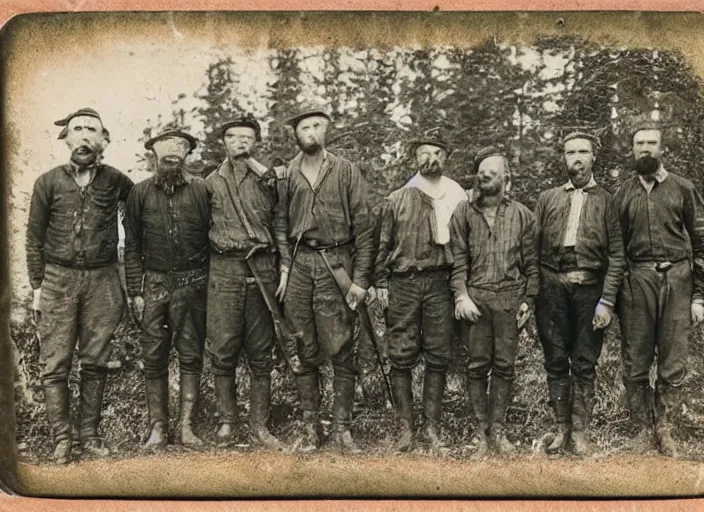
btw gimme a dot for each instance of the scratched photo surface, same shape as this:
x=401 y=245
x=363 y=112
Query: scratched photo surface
x=173 y=175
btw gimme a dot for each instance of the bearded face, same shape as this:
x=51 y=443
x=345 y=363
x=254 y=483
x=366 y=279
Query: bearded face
x=85 y=138
x=491 y=175
x=170 y=162
x=430 y=160
x=579 y=158
x=310 y=134
x=647 y=150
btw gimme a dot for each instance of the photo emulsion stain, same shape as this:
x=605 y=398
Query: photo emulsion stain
x=276 y=248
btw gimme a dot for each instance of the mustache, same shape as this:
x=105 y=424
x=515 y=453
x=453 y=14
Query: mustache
x=311 y=147
x=647 y=164
x=431 y=167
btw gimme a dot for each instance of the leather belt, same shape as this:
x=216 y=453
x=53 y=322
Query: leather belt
x=658 y=266
x=318 y=246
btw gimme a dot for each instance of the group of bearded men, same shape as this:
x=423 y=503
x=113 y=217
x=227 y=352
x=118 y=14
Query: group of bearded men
x=205 y=258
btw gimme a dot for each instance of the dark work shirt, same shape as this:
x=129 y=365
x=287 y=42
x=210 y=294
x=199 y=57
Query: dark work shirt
x=258 y=197
x=406 y=241
x=74 y=226
x=332 y=210
x=494 y=258
x=599 y=245
x=165 y=233
x=666 y=224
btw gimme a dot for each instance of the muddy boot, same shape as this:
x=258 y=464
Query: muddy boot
x=308 y=439
x=639 y=404
x=500 y=396
x=583 y=402
x=226 y=403
x=92 y=388
x=157 y=391
x=342 y=415
x=259 y=402
x=561 y=401
x=190 y=388
x=667 y=406
x=433 y=391
x=401 y=385
x=478 y=399
x=57 y=407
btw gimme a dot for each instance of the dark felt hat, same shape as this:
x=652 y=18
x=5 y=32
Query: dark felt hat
x=172 y=133
x=88 y=112
x=485 y=153
x=307 y=110
x=432 y=137
x=582 y=134
x=247 y=120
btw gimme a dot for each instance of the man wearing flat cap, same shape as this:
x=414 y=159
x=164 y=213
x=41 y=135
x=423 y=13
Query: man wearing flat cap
x=494 y=281
x=580 y=253
x=325 y=219
x=662 y=222
x=72 y=263
x=166 y=264
x=413 y=267
x=243 y=197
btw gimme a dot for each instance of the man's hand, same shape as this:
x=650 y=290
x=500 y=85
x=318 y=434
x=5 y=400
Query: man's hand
x=36 y=298
x=602 y=316
x=355 y=295
x=697 y=312
x=283 y=283
x=523 y=314
x=137 y=307
x=466 y=309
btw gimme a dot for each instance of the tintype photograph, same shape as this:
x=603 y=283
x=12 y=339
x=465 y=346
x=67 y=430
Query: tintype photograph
x=355 y=254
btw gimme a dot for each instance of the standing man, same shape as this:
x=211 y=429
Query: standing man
x=72 y=264
x=662 y=221
x=580 y=252
x=243 y=197
x=325 y=217
x=494 y=281
x=166 y=265
x=413 y=267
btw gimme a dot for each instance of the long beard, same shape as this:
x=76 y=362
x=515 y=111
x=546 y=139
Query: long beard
x=310 y=148
x=169 y=177
x=647 y=165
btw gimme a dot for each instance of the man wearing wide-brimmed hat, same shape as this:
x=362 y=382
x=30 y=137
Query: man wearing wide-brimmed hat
x=413 y=267
x=72 y=263
x=494 y=280
x=580 y=253
x=243 y=198
x=662 y=221
x=166 y=264
x=324 y=217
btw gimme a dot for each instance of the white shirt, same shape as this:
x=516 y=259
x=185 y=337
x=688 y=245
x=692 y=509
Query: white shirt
x=577 y=199
x=446 y=195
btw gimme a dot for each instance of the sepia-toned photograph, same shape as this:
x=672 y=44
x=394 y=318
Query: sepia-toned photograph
x=430 y=245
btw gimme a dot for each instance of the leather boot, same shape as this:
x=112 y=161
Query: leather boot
x=433 y=391
x=639 y=404
x=57 y=409
x=342 y=415
x=561 y=401
x=667 y=401
x=309 y=393
x=92 y=388
x=226 y=403
x=157 y=391
x=259 y=402
x=500 y=396
x=190 y=388
x=402 y=388
x=478 y=399
x=583 y=403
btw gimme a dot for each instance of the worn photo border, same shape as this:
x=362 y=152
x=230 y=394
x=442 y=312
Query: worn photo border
x=327 y=476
